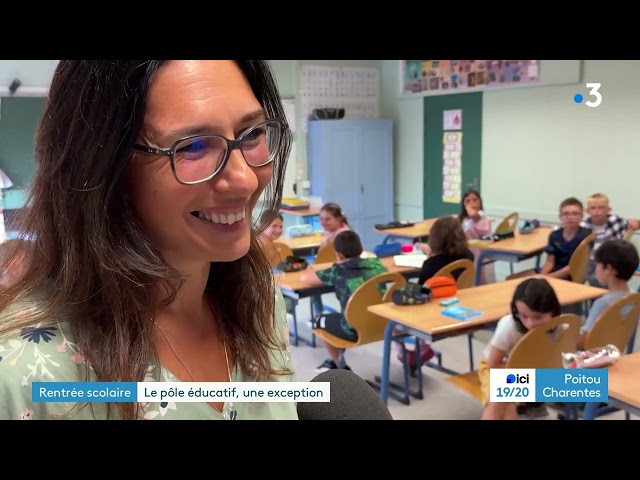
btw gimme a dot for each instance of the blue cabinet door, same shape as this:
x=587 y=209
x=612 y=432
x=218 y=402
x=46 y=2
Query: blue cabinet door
x=350 y=162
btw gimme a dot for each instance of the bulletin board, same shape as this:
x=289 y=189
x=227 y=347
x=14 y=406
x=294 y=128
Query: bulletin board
x=436 y=77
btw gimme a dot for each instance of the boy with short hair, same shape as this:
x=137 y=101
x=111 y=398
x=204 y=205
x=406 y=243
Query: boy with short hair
x=564 y=241
x=606 y=225
x=616 y=261
x=346 y=275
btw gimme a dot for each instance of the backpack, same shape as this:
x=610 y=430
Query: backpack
x=292 y=264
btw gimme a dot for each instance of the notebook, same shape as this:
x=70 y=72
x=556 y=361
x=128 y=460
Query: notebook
x=461 y=313
x=414 y=260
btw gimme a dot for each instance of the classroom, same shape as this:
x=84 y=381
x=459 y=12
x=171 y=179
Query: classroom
x=410 y=138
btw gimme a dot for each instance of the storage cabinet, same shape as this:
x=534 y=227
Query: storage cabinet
x=350 y=162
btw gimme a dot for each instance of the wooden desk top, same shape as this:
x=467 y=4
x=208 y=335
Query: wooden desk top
x=419 y=229
x=291 y=281
x=492 y=299
x=521 y=244
x=623 y=379
x=306 y=212
x=307 y=241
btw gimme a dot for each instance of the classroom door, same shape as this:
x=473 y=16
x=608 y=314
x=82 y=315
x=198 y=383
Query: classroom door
x=470 y=105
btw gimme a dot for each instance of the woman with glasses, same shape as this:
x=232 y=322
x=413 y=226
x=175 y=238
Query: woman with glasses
x=145 y=264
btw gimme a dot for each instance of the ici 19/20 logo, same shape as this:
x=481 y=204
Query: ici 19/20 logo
x=578 y=98
x=511 y=378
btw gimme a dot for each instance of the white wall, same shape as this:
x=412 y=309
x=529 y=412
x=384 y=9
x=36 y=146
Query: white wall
x=35 y=76
x=538 y=146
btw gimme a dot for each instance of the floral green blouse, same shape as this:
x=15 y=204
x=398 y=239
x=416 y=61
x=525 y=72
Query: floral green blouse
x=48 y=352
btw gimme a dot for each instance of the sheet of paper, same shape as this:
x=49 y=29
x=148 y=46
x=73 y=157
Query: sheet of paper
x=411 y=260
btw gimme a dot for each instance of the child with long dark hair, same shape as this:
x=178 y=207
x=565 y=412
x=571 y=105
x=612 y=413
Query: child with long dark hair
x=534 y=303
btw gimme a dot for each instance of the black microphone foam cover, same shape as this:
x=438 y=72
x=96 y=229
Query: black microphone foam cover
x=351 y=399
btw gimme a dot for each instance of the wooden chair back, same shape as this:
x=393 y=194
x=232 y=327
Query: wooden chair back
x=508 y=223
x=579 y=261
x=370 y=327
x=543 y=346
x=616 y=324
x=326 y=254
x=276 y=251
x=466 y=277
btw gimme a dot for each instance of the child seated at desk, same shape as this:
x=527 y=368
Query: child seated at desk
x=534 y=302
x=606 y=225
x=275 y=225
x=616 y=262
x=274 y=222
x=272 y=225
x=564 y=241
x=333 y=221
x=346 y=275
x=447 y=243
x=476 y=225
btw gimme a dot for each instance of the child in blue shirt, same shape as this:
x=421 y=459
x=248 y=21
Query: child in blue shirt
x=564 y=241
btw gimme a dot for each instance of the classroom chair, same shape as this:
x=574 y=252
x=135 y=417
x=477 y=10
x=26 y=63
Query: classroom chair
x=617 y=326
x=539 y=348
x=466 y=269
x=465 y=280
x=578 y=268
x=508 y=224
x=370 y=327
x=466 y=276
x=579 y=261
x=326 y=254
x=276 y=251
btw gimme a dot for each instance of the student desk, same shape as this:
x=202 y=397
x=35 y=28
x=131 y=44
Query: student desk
x=624 y=387
x=302 y=244
x=291 y=285
x=419 y=231
x=426 y=321
x=521 y=247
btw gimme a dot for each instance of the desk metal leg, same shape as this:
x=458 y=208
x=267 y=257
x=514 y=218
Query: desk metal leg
x=295 y=337
x=481 y=257
x=384 y=385
x=590 y=410
x=386 y=358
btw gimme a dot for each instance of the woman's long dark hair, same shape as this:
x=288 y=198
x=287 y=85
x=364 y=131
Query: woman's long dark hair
x=91 y=262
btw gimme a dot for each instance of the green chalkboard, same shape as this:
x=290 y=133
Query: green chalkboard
x=434 y=108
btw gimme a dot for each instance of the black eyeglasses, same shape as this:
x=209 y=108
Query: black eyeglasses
x=198 y=158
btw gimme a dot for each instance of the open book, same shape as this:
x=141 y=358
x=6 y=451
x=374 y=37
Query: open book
x=414 y=260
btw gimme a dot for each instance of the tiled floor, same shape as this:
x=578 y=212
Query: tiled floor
x=441 y=401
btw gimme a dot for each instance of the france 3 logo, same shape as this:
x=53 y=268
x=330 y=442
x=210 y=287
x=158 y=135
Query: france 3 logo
x=593 y=92
x=512 y=385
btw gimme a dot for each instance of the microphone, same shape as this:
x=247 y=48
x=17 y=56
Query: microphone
x=352 y=398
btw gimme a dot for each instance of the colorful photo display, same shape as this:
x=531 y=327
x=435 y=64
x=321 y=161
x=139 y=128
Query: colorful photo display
x=438 y=75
